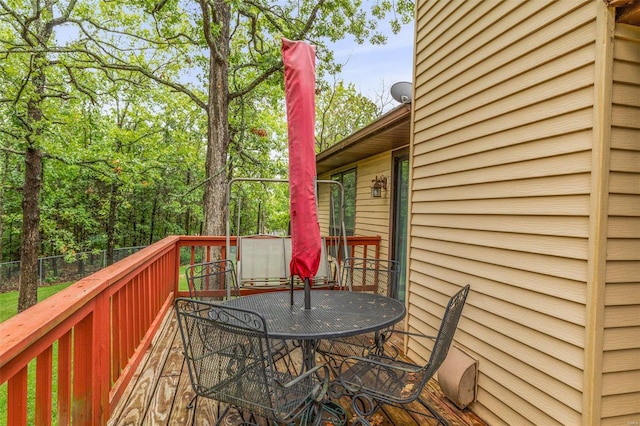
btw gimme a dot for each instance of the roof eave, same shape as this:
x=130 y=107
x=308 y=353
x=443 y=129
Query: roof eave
x=390 y=131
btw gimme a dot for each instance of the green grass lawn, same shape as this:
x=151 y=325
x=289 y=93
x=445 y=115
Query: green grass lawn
x=9 y=300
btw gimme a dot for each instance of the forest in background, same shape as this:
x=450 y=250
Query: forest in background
x=121 y=122
x=142 y=159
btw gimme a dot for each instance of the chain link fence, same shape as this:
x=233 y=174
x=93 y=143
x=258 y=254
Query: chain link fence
x=55 y=269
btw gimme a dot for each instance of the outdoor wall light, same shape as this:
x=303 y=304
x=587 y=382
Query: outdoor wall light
x=377 y=185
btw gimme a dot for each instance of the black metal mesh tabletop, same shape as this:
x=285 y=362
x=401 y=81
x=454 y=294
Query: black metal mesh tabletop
x=333 y=313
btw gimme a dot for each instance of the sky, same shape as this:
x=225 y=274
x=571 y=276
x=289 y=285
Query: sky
x=370 y=68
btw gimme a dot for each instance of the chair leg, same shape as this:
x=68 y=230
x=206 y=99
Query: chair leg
x=332 y=361
x=441 y=420
x=222 y=415
x=192 y=402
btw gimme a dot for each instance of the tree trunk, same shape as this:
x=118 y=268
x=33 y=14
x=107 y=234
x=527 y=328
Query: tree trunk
x=154 y=212
x=30 y=229
x=30 y=247
x=111 y=223
x=3 y=183
x=217 y=123
x=187 y=213
x=37 y=35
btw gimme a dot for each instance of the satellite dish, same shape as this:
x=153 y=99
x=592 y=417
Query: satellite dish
x=401 y=92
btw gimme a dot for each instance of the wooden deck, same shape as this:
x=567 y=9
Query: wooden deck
x=160 y=391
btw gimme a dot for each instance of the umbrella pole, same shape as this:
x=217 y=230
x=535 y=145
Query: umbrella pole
x=291 y=289
x=307 y=294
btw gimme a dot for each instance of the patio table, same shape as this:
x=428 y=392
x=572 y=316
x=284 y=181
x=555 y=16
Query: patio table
x=333 y=314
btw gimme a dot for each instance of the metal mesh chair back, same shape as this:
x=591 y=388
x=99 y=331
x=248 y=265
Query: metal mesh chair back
x=392 y=380
x=447 y=329
x=208 y=281
x=370 y=275
x=229 y=359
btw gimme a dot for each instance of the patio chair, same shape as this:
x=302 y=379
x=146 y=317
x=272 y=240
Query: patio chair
x=325 y=277
x=227 y=351
x=261 y=263
x=377 y=380
x=209 y=281
x=369 y=275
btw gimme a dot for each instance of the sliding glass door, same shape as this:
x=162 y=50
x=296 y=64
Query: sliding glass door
x=400 y=214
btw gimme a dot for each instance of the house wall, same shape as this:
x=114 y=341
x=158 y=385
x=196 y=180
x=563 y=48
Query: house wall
x=507 y=160
x=621 y=320
x=372 y=214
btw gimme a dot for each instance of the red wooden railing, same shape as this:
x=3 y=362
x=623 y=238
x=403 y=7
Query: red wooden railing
x=100 y=327
x=358 y=246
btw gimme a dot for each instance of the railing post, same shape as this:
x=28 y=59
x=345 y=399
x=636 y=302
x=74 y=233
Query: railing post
x=64 y=379
x=83 y=357
x=44 y=387
x=17 y=393
x=101 y=377
x=176 y=269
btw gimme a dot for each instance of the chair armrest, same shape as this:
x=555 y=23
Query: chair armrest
x=391 y=331
x=376 y=361
x=387 y=349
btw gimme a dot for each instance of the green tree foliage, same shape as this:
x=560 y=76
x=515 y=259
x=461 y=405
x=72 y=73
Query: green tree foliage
x=340 y=111
x=121 y=122
x=232 y=48
x=33 y=92
x=91 y=141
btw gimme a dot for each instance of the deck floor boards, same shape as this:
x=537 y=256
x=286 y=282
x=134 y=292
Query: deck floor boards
x=161 y=390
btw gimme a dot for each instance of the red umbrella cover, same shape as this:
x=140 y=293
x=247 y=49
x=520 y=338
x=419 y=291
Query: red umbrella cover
x=299 y=83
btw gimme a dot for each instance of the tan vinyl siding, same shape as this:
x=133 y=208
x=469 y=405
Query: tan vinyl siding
x=501 y=195
x=621 y=357
x=372 y=214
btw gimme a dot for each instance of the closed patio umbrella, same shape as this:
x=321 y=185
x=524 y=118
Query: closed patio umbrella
x=299 y=83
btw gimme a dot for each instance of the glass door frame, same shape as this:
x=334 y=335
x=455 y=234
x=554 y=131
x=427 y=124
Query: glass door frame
x=399 y=224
